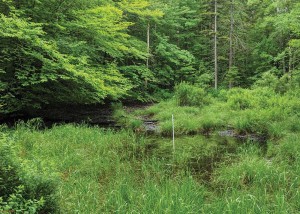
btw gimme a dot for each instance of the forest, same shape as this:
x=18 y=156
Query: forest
x=204 y=97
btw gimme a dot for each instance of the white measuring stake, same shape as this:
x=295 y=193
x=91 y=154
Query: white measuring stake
x=173 y=132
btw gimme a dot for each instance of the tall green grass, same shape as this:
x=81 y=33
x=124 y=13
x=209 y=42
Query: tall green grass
x=260 y=111
x=24 y=187
x=121 y=171
x=108 y=171
x=104 y=171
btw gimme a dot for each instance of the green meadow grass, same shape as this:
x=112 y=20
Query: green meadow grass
x=108 y=171
x=259 y=111
x=125 y=171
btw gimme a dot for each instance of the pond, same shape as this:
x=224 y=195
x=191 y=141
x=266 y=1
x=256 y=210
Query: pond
x=197 y=155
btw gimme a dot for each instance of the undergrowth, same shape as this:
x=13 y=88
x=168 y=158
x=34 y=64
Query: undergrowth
x=260 y=111
x=125 y=171
x=24 y=187
x=108 y=171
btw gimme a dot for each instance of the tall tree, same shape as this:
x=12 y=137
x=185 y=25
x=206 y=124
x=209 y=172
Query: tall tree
x=216 y=42
x=51 y=49
x=231 y=34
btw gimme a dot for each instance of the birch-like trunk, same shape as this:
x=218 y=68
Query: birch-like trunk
x=231 y=35
x=148 y=51
x=231 y=40
x=215 y=45
x=148 y=44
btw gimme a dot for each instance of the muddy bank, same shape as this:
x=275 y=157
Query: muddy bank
x=250 y=136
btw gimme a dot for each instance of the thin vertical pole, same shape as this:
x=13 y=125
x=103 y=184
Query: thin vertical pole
x=173 y=127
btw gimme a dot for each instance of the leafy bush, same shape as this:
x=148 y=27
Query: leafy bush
x=21 y=191
x=295 y=79
x=268 y=79
x=17 y=203
x=9 y=177
x=240 y=99
x=204 y=80
x=189 y=95
x=283 y=84
x=232 y=76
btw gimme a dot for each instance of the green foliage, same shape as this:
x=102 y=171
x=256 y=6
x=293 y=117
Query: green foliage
x=287 y=150
x=85 y=52
x=204 y=80
x=119 y=171
x=267 y=80
x=142 y=80
x=280 y=85
x=295 y=82
x=174 y=196
x=16 y=203
x=284 y=84
x=250 y=171
x=232 y=76
x=260 y=110
x=175 y=64
x=141 y=8
x=44 y=61
x=9 y=172
x=114 y=169
x=126 y=120
x=240 y=99
x=189 y=95
x=108 y=30
x=23 y=189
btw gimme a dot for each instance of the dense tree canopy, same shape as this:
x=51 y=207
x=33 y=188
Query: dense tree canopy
x=75 y=51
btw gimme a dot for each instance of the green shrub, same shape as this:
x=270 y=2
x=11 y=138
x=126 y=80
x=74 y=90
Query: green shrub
x=232 y=76
x=268 y=80
x=295 y=82
x=189 y=95
x=21 y=191
x=9 y=175
x=240 y=99
x=204 y=80
x=16 y=203
x=162 y=94
x=284 y=83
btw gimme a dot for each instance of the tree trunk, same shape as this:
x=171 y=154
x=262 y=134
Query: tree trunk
x=230 y=40
x=148 y=44
x=215 y=45
x=291 y=63
x=231 y=35
x=148 y=51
